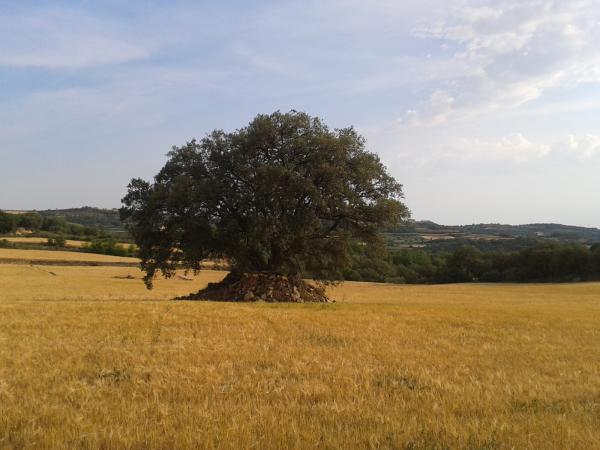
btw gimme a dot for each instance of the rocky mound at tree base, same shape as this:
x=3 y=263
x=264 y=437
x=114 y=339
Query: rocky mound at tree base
x=253 y=287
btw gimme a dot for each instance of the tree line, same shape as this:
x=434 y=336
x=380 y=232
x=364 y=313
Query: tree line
x=537 y=261
x=544 y=261
x=35 y=222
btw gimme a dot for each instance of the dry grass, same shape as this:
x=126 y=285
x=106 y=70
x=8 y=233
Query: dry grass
x=91 y=361
x=56 y=283
x=8 y=254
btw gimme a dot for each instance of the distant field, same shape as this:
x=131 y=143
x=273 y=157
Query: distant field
x=16 y=255
x=39 y=240
x=435 y=237
x=90 y=359
x=47 y=282
x=75 y=258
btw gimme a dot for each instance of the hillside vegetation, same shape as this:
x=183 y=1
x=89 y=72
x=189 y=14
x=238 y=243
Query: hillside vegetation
x=107 y=219
x=34 y=230
x=418 y=252
x=497 y=237
x=414 y=232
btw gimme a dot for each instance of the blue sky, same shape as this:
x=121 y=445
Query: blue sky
x=486 y=111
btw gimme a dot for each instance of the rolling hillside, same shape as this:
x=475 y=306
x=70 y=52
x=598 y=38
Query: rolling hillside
x=422 y=233
x=489 y=236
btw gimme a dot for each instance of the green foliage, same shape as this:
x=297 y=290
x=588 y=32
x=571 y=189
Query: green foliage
x=54 y=224
x=414 y=266
x=543 y=262
x=284 y=194
x=57 y=241
x=109 y=246
x=369 y=263
x=465 y=264
x=87 y=216
x=499 y=237
x=484 y=245
x=595 y=258
x=30 y=221
x=59 y=225
x=8 y=223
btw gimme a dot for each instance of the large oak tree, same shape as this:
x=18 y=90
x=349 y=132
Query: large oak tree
x=284 y=195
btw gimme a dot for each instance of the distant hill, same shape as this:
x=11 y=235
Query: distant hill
x=106 y=219
x=486 y=236
x=419 y=233
x=545 y=230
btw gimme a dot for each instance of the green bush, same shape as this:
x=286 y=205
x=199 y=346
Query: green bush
x=8 y=223
x=56 y=241
x=30 y=221
x=109 y=247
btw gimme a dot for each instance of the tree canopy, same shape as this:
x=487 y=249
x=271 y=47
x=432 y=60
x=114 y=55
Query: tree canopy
x=284 y=195
x=8 y=222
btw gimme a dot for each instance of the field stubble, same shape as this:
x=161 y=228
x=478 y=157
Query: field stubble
x=8 y=255
x=90 y=359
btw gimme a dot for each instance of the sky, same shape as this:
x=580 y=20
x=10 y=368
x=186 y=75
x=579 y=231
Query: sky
x=486 y=111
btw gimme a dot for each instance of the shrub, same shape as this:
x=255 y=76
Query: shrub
x=56 y=241
x=30 y=221
x=8 y=223
x=109 y=247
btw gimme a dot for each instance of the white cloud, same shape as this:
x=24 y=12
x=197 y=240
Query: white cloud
x=65 y=39
x=515 y=148
x=433 y=112
x=475 y=146
x=582 y=148
x=517 y=50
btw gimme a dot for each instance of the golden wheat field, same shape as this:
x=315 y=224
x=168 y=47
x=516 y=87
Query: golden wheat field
x=19 y=255
x=90 y=359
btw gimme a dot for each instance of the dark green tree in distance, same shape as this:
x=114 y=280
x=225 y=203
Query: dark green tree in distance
x=31 y=221
x=284 y=197
x=8 y=222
